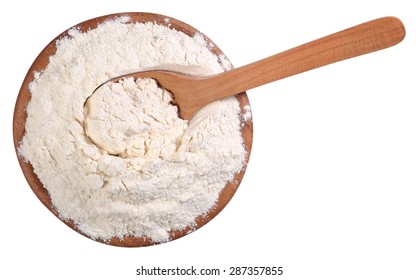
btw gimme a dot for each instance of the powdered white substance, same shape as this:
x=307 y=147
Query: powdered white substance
x=247 y=113
x=121 y=162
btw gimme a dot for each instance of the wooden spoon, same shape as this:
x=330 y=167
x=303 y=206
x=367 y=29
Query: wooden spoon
x=193 y=92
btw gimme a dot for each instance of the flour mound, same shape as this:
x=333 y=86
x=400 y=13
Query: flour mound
x=120 y=162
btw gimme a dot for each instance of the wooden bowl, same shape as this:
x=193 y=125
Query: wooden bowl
x=24 y=96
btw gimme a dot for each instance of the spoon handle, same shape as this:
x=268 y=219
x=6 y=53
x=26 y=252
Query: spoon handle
x=368 y=37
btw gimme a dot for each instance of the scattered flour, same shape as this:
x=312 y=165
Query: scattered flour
x=247 y=113
x=120 y=162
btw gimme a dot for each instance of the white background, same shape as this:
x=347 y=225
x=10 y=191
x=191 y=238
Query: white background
x=332 y=188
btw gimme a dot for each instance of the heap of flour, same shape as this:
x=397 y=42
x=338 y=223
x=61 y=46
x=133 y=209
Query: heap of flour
x=120 y=162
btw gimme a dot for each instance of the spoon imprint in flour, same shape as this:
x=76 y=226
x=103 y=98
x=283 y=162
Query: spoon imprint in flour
x=193 y=92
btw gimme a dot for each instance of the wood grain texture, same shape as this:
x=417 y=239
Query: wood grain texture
x=192 y=93
x=24 y=96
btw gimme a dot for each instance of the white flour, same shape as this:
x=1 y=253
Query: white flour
x=123 y=163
